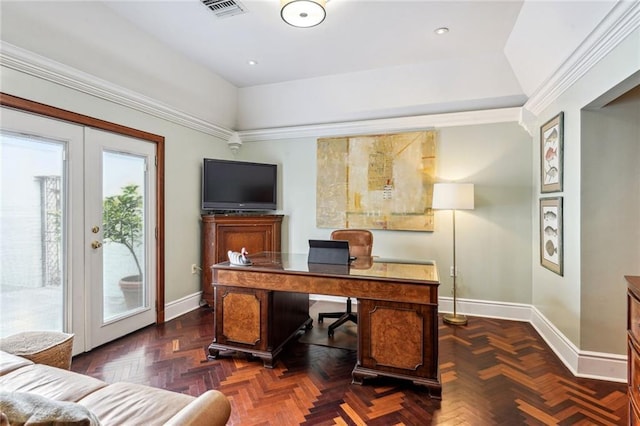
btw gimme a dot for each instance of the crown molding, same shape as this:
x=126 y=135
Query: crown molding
x=38 y=66
x=30 y=63
x=623 y=19
x=387 y=125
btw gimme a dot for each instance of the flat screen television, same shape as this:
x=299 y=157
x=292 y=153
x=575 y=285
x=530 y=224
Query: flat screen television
x=238 y=186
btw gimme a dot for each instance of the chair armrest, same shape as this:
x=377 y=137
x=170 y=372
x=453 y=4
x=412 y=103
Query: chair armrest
x=210 y=408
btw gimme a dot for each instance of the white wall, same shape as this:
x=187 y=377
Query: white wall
x=610 y=214
x=559 y=28
x=493 y=246
x=438 y=87
x=494 y=154
x=184 y=150
x=560 y=299
x=124 y=55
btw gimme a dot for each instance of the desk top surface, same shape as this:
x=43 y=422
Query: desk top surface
x=365 y=267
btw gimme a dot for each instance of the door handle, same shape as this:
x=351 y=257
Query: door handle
x=96 y=244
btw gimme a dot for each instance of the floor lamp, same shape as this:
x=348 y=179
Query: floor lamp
x=453 y=196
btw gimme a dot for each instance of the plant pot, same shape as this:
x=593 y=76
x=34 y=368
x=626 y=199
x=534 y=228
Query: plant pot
x=131 y=287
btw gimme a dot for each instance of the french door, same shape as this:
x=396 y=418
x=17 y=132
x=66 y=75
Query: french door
x=119 y=234
x=77 y=230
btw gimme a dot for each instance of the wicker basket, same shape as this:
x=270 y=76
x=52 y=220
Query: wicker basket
x=42 y=347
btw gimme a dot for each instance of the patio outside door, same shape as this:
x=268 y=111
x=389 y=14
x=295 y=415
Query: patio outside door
x=77 y=217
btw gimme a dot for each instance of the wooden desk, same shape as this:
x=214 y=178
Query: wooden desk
x=397 y=311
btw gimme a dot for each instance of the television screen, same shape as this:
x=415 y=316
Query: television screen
x=238 y=185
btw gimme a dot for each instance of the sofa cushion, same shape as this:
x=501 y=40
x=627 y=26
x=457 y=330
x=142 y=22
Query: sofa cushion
x=30 y=409
x=50 y=382
x=129 y=403
x=10 y=362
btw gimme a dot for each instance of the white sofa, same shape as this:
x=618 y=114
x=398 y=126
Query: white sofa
x=112 y=404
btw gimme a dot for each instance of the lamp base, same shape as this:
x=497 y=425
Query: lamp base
x=455 y=319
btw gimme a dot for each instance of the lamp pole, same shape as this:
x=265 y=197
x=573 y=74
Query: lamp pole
x=453 y=196
x=454 y=319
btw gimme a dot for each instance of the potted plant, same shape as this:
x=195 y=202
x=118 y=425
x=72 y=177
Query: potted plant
x=122 y=219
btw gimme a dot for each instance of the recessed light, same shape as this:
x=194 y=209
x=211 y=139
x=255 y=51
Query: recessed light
x=252 y=62
x=441 y=30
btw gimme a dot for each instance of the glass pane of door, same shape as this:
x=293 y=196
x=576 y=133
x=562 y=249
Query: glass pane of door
x=32 y=218
x=124 y=253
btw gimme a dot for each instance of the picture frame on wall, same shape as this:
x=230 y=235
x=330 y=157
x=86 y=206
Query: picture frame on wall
x=551 y=154
x=551 y=250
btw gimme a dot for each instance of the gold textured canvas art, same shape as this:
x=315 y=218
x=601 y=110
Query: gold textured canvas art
x=376 y=182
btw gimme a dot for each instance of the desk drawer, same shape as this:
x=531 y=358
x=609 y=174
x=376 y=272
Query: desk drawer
x=634 y=416
x=634 y=374
x=634 y=316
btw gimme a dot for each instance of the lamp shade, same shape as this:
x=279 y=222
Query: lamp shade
x=453 y=196
x=303 y=13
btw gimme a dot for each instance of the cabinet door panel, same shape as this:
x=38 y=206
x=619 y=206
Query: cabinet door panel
x=254 y=239
x=241 y=317
x=221 y=233
x=398 y=338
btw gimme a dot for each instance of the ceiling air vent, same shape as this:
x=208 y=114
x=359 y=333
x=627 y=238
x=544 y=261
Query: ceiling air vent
x=224 y=8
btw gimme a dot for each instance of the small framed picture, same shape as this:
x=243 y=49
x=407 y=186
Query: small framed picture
x=551 y=146
x=551 y=234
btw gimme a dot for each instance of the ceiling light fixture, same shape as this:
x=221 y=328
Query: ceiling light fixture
x=252 y=62
x=441 y=30
x=303 y=13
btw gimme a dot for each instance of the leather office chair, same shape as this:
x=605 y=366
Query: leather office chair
x=360 y=245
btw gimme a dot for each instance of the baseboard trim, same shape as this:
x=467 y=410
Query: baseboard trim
x=489 y=309
x=585 y=364
x=325 y=298
x=182 y=306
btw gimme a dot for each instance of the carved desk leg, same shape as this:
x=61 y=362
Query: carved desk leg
x=213 y=353
x=359 y=374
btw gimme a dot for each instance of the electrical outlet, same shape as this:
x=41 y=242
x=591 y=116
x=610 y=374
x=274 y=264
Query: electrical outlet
x=452 y=272
x=194 y=268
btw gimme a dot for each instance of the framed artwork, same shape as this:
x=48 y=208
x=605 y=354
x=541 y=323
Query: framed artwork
x=551 y=145
x=377 y=181
x=551 y=252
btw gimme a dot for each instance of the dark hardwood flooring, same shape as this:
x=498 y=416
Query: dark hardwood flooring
x=494 y=372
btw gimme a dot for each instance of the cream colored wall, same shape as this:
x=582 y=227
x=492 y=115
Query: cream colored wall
x=610 y=214
x=184 y=150
x=562 y=300
x=493 y=241
x=496 y=156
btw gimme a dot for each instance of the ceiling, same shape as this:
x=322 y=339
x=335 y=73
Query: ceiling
x=369 y=59
x=356 y=35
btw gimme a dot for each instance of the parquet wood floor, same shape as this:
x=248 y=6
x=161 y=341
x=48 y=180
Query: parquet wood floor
x=494 y=372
